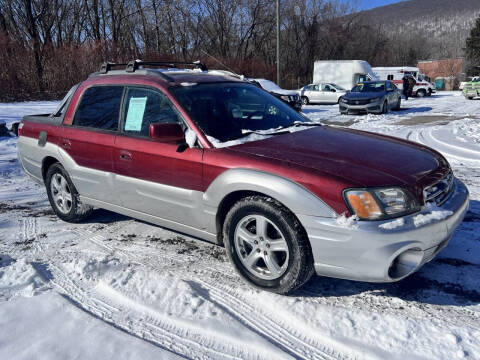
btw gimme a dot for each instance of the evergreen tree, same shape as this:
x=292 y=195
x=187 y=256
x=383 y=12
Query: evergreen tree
x=472 y=49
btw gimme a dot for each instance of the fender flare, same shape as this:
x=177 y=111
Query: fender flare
x=295 y=197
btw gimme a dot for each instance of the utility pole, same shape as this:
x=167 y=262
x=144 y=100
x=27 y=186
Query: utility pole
x=278 y=42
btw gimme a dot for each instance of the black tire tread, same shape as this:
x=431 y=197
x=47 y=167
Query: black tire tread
x=303 y=268
x=79 y=210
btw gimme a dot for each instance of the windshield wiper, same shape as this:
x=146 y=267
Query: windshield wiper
x=280 y=130
x=299 y=123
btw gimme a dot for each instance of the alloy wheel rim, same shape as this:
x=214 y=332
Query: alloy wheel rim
x=261 y=247
x=61 y=193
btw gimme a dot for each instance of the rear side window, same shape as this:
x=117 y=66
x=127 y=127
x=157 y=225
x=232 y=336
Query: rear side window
x=143 y=107
x=99 y=108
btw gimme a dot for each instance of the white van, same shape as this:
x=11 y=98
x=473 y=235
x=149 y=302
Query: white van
x=396 y=74
x=346 y=73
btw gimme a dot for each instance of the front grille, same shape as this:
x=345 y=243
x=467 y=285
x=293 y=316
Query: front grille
x=439 y=192
x=358 y=102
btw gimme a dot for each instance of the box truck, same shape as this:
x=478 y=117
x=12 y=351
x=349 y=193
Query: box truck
x=346 y=73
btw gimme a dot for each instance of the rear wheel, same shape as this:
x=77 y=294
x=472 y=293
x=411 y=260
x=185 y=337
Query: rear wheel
x=63 y=196
x=429 y=93
x=385 y=107
x=305 y=100
x=399 y=104
x=267 y=245
x=421 y=93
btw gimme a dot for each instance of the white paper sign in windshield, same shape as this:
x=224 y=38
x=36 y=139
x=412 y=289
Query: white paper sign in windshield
x=136 y=109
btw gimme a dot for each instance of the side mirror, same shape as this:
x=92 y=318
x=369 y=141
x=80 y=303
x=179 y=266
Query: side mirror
x=166 y=132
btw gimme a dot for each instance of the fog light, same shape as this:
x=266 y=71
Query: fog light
x=405 y=263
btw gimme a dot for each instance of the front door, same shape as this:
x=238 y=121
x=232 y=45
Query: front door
x=329 y=93
x=159 y=179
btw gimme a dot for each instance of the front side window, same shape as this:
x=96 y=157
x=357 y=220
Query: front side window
x=99 y=108
x=229 y=111
x=143 y=107
x=362 y=78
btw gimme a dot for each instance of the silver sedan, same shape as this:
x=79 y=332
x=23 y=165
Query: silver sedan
x=377 y=97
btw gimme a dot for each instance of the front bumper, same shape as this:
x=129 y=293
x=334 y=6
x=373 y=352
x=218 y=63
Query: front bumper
x=374 y=107
x=470 y=93
x=367 y=252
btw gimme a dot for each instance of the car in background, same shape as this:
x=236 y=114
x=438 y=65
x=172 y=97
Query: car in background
x=290 y=97
x=371 y=97
x=471 y=89
x=469 y=79
x=328 y=93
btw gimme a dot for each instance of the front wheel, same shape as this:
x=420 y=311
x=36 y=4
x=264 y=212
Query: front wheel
x=267 y=245
x=63 y=196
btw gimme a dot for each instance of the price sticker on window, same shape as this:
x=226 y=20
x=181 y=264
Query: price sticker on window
x=136 y=109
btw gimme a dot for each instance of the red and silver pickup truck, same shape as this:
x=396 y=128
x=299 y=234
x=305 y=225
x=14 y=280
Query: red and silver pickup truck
x=216 y=157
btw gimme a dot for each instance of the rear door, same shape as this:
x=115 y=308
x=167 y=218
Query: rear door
x=315 y=94
x=155 y=178
x=89 y=142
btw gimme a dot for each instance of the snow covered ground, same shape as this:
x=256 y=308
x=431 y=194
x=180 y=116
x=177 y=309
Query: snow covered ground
x=117 y=288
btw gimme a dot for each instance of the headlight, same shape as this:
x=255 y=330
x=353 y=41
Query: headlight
x=375 y=100
x=345 y=101
x=376 y=204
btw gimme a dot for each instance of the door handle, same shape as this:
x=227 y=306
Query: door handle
x=125 y=155
x=66 y=144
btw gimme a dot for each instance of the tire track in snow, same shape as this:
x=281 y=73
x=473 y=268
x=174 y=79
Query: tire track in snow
x=165 y=333
x=292 y=341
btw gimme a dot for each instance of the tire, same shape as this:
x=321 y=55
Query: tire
x=421 y=93
x=293 y=259
x=399 y=104
x=385 y=107
x=305 y=100
x=63 y=196
x=429 y=93
x=469 y=98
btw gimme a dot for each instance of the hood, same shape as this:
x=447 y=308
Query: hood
x=363 y=95
x=362 y=159
x=283 y=92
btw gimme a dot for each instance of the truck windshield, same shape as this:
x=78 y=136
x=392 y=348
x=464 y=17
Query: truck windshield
x=369 y=87
x=228 y=111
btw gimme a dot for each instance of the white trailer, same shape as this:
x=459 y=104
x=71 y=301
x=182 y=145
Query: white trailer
x=346 y=73
x=396 y=74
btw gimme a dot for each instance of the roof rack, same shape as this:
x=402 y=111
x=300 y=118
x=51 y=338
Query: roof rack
x=134 y=65
x=107 y=66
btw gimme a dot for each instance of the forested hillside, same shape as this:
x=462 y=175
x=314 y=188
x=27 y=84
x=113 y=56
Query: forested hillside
x=442 y=26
